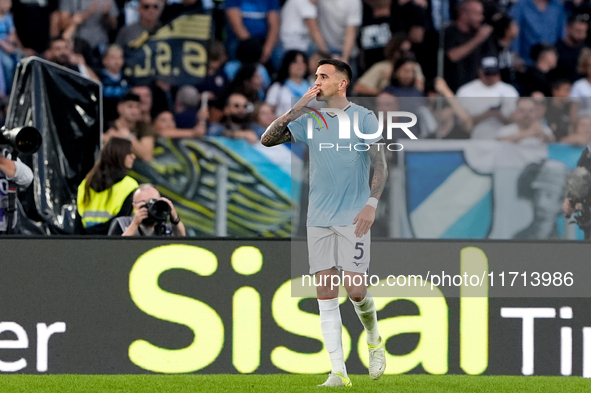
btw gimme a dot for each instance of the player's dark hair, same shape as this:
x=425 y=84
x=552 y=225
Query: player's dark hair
x=341 y=66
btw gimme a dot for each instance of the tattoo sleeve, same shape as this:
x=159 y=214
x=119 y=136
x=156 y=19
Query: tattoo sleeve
x=277 y=132
x=380 y=170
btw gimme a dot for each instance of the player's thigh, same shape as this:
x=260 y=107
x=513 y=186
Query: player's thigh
x=353 y=252
x=322 y=243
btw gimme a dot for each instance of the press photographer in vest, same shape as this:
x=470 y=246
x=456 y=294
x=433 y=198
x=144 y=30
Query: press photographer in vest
x=151 y=213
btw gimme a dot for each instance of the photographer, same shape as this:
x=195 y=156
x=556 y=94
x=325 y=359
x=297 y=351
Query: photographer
x=15 y=171
x=150 y=216
x=578 y=193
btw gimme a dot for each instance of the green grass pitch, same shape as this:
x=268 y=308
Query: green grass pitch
x=285 y=383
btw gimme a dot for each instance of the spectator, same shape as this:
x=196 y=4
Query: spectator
x=60 y=52
x=488 y=100
x=10 y=45
x=539 y=21
x=527 y=128
x=146 y=100
x=291 y=84
x=302 y=32
x=504 y=33
x=114 y=83
x=374 y=80
x=174 y=9
x=107 y=191
x=248 y=52
x=129 y=126
x=140 y=223
x=35 y=22
x=216 y=81
x=581 y=90
x=570 y=47
x=165 y=126
x=403 y=79
x=424 y=40
x=374 y=33
x=237 y=122
x=91 y=20
x=149 y=12
x=560 y=110
x=466 y=41
x=581 y=135
x=257 y=19
x=249 y=82
x=339 y=21
x=535 y=78
x=263 y=115
x=17 y=172
x=410 y=99
x=385 y=103
x=452 y=119
x=185 y=106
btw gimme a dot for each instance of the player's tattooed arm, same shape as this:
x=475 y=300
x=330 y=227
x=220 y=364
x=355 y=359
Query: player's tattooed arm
x=277 y=132
x=380 y=170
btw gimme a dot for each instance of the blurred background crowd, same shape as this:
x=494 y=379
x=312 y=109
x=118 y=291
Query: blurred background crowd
x=263 y=53
x=527 y=61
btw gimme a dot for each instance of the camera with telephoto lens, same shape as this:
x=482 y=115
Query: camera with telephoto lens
x=158 y=212
x=23 y=140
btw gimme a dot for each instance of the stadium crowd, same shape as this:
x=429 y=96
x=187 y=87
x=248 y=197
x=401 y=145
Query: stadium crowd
x=264 y=52
x=527 y=61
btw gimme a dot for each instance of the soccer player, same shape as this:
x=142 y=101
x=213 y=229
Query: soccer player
x=341 y=209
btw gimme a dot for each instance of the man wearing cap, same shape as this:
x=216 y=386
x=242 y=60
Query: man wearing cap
x=129 y=126
x=488 y=100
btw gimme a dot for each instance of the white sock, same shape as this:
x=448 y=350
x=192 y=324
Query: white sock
x=332 y=326
x=366 y=311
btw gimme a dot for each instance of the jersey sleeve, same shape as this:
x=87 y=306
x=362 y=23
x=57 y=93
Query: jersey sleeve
x=298 y=129
x=370 y=126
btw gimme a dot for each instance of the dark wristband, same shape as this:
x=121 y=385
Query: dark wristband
x=175 y=222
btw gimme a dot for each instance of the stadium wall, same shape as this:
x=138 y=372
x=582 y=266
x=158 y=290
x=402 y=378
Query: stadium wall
x=133 y=306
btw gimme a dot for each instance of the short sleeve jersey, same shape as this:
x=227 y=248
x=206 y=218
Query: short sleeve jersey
x=339 y=175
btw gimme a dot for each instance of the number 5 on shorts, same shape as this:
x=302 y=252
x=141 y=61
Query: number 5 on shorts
x=358 y=246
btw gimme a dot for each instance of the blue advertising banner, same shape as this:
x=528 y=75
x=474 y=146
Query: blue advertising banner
x=486 y=190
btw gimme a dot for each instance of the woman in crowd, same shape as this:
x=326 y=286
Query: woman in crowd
x=373 y=81
x=248 y=81
x=291 y=83
x=107 y=190
x=402 y=82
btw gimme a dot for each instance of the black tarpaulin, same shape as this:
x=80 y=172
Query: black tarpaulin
x=67 y=109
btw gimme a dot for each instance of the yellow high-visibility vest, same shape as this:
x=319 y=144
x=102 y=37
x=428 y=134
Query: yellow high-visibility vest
x=106 y=204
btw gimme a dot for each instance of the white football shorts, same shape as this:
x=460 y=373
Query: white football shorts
x=338 y=247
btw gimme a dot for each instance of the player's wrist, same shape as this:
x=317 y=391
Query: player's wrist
x=373 y=202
